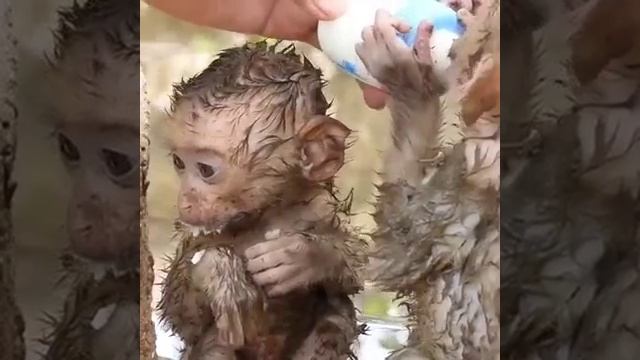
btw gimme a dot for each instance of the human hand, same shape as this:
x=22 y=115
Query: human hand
x=287 y=22
x=282 y=19
x=289 y=262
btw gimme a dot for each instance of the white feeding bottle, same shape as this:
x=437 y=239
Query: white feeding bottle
x=339 y=37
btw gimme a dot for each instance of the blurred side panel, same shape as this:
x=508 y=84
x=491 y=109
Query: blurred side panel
x=147 y=329
x=12 y=326
x=77 y=207
x=570 y=180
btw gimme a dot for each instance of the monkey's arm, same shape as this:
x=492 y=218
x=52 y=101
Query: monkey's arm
x=333 y=333
x=207 y=294
x=349 y=255
x=182 y=306
x=415 y=106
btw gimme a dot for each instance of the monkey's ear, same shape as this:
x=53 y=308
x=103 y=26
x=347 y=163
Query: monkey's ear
x=322 y=143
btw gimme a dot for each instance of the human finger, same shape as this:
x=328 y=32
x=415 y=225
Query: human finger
x=323 y=9
x=373 y=97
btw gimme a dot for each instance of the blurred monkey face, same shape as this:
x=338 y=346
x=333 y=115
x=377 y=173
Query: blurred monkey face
x=103 y=214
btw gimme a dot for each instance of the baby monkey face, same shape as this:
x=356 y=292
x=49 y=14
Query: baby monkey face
x=215 y=192
x=231 y=165
x=234 y=164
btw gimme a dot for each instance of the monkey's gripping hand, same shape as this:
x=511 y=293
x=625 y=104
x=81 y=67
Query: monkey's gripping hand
x=207 y=294
x=414 y=93
x=290 y=262
x=404 y=71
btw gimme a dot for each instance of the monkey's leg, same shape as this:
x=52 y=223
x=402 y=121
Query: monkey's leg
x=182 y=305
x=407 y=354
x=210 y=353
x=333 y=333
x=207 y=349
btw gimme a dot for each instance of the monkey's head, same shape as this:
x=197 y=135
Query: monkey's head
x=93 y=76
x=251 y=133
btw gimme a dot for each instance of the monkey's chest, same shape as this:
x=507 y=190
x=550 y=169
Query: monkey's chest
x=289 y=320
x=260 y=327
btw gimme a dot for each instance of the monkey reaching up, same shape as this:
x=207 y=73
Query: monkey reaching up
x=265 y=265
x=437 y=242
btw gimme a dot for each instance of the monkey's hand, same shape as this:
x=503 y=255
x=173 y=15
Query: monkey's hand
x=291 y=262
x=401 y=69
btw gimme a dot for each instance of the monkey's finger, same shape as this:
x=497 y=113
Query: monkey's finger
x=465 y=16
x=276 y=275
x=367 y=35
x=389 y=25
x=369 y=55
x=386 y=30
x=270 y=260
x=362 y=50
x=300 y=281
x=267 y=247
x=470 y=155
x=422 y=46
x=492 y=153
x=481 y=153
x=381 y=23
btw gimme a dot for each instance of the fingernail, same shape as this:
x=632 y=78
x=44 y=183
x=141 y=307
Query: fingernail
x=374 y=98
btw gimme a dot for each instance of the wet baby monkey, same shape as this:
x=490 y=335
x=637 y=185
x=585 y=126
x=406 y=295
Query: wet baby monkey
x=266 y=264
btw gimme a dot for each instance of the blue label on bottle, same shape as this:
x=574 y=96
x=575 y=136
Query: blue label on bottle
x=349 y=67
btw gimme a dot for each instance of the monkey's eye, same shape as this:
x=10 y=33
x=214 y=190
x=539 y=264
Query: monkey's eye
x=68 y=149
x=118 y=164
x=177 y=162
x=206 y=171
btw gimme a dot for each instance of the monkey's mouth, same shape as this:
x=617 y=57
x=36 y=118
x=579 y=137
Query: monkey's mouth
x=236 y=223
x=202 y=230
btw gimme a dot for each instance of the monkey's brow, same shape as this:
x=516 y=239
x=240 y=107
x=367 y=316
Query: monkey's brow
x=209 y=150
